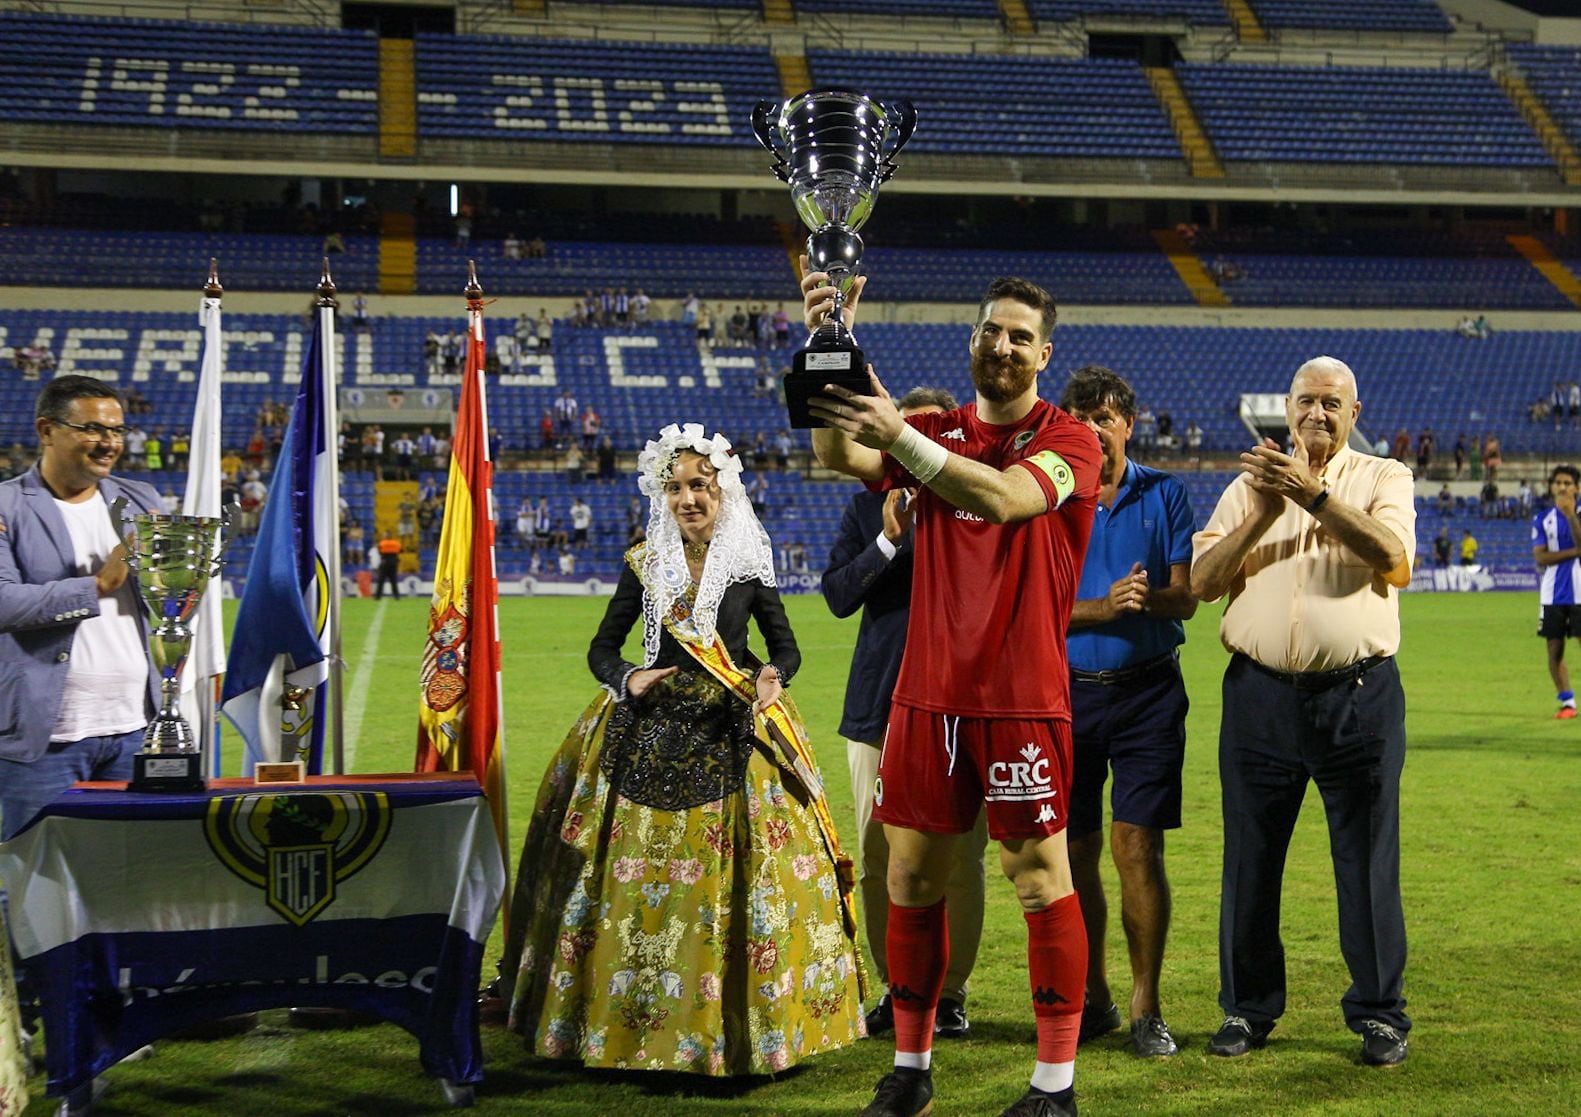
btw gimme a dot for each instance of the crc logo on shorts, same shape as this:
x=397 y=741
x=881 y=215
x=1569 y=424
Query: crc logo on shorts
x=297 y=847
x=878 y=791
x=1020 y=780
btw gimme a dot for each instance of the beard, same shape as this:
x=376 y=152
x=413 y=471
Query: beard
x=1000 y=381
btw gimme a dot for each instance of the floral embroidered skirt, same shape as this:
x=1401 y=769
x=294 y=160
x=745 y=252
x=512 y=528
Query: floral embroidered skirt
x=708 y=940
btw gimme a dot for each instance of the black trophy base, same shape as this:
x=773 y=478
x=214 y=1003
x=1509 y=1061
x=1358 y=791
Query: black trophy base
x=167 y=771
x=813 y=368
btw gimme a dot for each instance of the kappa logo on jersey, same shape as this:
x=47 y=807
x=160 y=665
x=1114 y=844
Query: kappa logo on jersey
x=297 y=847
x=1018 y=780
x=1046 y=813
x=958 y=434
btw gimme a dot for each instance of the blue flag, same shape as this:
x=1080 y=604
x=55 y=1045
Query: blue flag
x=275 y=691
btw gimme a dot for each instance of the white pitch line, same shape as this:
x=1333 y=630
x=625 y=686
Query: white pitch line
x=357 y=700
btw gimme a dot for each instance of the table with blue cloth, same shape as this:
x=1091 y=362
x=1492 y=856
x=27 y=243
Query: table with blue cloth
x=139 y=915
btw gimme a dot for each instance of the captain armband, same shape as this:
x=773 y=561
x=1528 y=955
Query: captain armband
x=1058 y=471
x=922 y=457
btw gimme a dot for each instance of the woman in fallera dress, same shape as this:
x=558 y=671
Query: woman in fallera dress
x=682 y=902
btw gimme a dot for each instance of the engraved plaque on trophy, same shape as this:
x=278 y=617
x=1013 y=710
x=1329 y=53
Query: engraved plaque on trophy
x=834 y=147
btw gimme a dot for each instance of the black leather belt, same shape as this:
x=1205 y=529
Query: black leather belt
x=1121 y=675
x=1320 y=680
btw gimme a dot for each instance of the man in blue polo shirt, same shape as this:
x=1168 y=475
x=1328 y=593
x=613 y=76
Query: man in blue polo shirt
x=1556 y=545
x=1128 y=704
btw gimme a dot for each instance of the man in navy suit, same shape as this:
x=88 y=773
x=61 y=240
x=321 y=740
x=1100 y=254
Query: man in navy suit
x=76 y=684
x=870 y=569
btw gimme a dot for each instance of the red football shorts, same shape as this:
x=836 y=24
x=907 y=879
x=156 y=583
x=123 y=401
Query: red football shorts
x=938 y=770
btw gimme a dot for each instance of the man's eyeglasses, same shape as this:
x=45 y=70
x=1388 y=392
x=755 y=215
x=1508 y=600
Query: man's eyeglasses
x=96 y=432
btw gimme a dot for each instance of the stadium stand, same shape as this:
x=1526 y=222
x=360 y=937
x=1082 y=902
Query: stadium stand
x=161 y=73
x=1359 y=15
x=1554 y=74
x=1088 y=108
x=944 y=9
x=1358 y=114
x=519 y=88
x=1208 y=13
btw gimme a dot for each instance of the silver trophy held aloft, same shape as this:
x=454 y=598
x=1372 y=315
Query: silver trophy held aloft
x=172 y=559
x=835 y=147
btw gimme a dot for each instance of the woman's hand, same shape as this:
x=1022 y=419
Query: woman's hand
x=769 y=688
x=642 y=681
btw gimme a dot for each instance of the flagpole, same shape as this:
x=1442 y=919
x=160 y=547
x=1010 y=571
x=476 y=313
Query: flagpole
x=327 y=305
x=208 y=723
x=474 y=295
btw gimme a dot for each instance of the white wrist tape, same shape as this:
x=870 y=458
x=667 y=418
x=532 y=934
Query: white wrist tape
x=922 y=456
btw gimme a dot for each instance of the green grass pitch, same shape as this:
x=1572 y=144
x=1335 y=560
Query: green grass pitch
x=1492 y=880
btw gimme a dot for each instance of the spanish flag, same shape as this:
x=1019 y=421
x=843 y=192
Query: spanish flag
x=458 y=715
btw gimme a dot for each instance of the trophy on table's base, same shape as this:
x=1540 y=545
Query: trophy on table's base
x=834 y=147
x=172 y=559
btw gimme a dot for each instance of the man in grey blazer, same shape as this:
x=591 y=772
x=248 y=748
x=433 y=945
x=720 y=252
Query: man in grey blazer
x=76 y=684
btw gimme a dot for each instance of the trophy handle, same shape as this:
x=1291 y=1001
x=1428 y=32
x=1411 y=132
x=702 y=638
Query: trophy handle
x=905 y=114
x=222 y=536
x=123 y=529
x=763 y=114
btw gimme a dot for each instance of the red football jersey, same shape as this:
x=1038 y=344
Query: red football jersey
x=990 y=602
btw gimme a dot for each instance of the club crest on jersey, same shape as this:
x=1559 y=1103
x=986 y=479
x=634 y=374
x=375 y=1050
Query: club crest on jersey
x=1022 y=439
x=297 y=847
x=1021 y=780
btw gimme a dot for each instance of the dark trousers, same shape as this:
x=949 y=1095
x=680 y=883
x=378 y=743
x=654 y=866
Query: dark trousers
x=1350 y=740
x=387 y=570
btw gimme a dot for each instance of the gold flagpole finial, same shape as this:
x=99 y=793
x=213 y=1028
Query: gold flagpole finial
x=474 y=290
x=212 y=288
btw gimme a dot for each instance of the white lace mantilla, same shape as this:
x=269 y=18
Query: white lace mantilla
x=739 y=551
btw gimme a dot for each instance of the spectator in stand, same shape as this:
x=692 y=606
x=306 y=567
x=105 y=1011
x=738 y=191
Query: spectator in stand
x=689 y=309
x=252 y=495
x=134 y=445
x=404 y=449
x=581 y=522
x=546 y=432
x=354 y=551
x=359 y=314
x=455 y=349
x=496 y=446
x=1490 y=498
x=433 y=354
x=425 y=457
x=764 y=385
x=231 y=464
x=154 y=450
x=526 y=337
x=782 y=449
x=1146 y=429
x=781 y=327
x=541 y=523
x=1446 y=501
x=1193 y=440
x=1484 y=331
x=1492 y=457
x=1525 y=498
x=524 y=518
x=640 y=305
x=760 y=451
x=136 y=402
x=758 y=493
x=565 y=412
x=545 y=331
x=170 y=502
x=1573 y=404
x=591 y=422
x=463 y=234
x=573 y=464
x=180 y=450
x=1166 y=430
x=736 y=330
x=512 y=248
x=606 y=459
x=536 y=248
x=1468 y=548
x=705 y=326
x=1460 y=456
x=1424 y=451
x=567 y=563
x=1400 y=450
x=754 y=330
x=257 y=448
x=1441 y=547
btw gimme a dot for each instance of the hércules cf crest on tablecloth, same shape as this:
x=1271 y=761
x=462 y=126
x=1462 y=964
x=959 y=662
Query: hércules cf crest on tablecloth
x=297 y=847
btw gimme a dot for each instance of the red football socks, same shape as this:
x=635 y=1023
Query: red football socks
x=1057 y=965
x=918 y=940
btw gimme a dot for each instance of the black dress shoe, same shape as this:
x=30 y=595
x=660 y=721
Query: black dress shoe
x=1150 y=1038
x=881 y=1017
x=950 y=1021
x=1097 y=1021
x=1382 y=1045
x=903 y=1092
x=1238 y=1035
